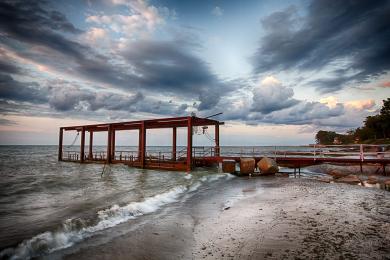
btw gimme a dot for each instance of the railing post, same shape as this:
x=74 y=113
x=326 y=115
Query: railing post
x=361 y=153
x=61 y=135
x=314 y=152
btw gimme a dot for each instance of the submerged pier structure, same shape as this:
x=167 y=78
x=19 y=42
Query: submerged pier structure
x=172 y=160
x=189 y=156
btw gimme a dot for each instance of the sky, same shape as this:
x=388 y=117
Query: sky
x=278 y=70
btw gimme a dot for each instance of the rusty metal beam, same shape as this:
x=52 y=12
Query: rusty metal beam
x=82 y=145
x=152 y=123
x=189 y=144
x=143 y=144
x=109 y=139
x=174 y=136
x=216 y=140
x=60 y=141
x=90 y=152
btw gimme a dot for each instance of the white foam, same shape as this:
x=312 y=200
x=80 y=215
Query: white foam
x=74 y=230
x=188 y=176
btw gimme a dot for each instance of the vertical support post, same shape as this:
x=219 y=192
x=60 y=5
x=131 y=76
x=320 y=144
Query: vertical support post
x=113 y=144
x=217 y=152
x=90 y=153
x=143 y=144
x=109 y=145
x=189 y=143
x=82 y=145
x=139 y=143
x=174 y=135
x=60 y=140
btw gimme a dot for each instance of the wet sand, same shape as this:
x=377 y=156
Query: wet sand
x=254 y=218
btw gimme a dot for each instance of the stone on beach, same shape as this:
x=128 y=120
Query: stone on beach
x=247 y=166
x=267 y=166
x=350 y=179
x=228 y=166
x=372 y=179
x=338 y=174
x=325 y=179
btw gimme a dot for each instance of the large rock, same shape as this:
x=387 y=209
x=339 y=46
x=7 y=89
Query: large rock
x=350 y=179
x=229 y=166
x=372 y=179
x=267 y=166
x=247 y=166
x=338 y=174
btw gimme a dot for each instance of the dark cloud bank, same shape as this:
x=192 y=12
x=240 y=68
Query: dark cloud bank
x=354 y=30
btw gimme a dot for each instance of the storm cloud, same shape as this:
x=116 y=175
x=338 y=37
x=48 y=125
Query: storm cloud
x=150 y=66
x=353 y=35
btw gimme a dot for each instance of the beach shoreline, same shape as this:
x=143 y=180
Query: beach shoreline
x=254 y=218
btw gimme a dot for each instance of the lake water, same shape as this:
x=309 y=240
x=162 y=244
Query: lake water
x=46 y=205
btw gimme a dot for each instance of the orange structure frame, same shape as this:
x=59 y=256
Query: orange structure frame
x=174 y=163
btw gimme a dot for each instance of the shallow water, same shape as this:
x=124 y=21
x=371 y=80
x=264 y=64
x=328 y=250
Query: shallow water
x=46 y=205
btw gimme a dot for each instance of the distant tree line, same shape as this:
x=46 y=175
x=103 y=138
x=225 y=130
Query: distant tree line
x=374 y=128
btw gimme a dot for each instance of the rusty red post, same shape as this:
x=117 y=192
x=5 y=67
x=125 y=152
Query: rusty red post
x=143 y=144
x=61 y=136
x=82 y=145
x=90 y=153
x=109 y=139
x=139 y=143
x=189 y=143
x=174 y=135
x=113 y=144
x=217 y=152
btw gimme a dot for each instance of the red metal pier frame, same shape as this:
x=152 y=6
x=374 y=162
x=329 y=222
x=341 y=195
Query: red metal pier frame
x=175 y=160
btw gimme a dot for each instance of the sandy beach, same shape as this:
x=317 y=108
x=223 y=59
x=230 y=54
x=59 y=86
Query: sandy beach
x=254 y=218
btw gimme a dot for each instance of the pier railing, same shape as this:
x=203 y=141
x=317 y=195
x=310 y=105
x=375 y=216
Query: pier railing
x=361 y=151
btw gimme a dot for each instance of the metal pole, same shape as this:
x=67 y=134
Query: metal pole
x=90 y=153
x=109 y=145
x=189 y=144
x=61 y=135
x=113 y=145
x=143 y=144
x=174 y=136
x=82 y=146
x=217 y=152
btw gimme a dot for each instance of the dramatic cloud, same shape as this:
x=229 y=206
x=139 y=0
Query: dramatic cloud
x=11 y=89
x=271 y=96
x=153 y=67
x=352 y=35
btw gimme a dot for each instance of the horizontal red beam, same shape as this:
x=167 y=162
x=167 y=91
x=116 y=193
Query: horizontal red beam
x=149 y=124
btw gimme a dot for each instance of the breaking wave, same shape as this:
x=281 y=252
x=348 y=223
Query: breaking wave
x=75 y=230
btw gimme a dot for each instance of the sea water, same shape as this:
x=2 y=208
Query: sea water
x=47 y=205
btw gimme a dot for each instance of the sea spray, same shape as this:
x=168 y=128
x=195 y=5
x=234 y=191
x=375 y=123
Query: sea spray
x=75 y=230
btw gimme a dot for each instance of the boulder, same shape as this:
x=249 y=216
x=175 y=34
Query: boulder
x=372 y=179
x=386 y=182
x=325 y=179
x=267 y=166
x=229 y=166
x=247 y=166
x=350 y=179
x=337 y=174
